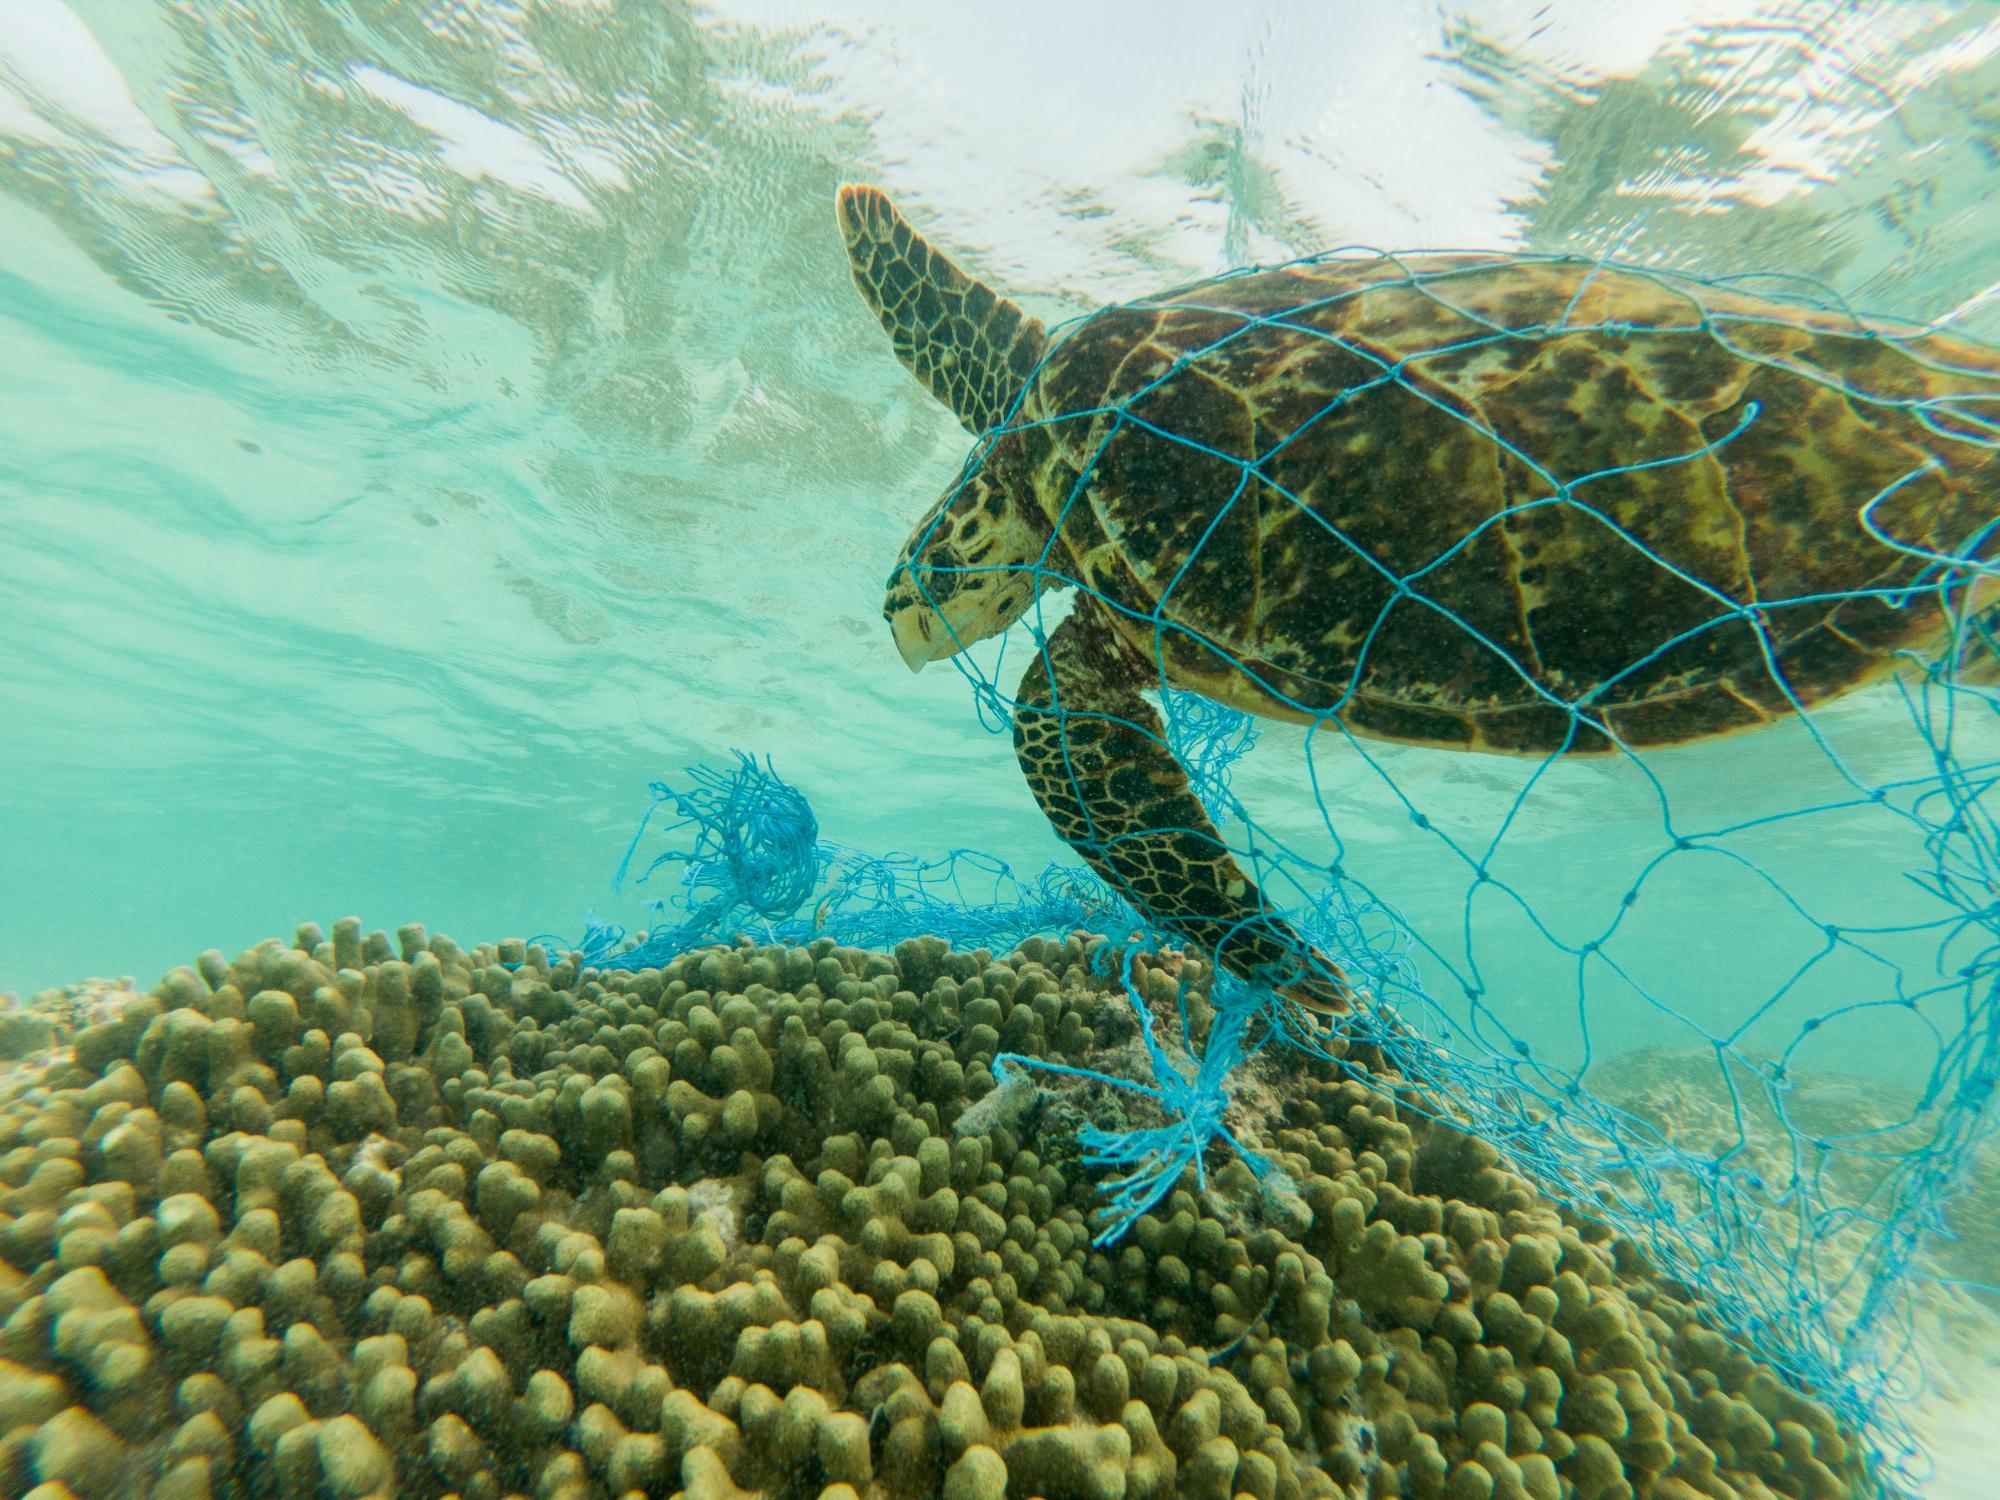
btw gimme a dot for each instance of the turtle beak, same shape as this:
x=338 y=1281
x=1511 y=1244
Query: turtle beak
x=916 y=636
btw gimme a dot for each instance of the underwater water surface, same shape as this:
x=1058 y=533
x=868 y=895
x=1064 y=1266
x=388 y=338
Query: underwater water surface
x=422 y=426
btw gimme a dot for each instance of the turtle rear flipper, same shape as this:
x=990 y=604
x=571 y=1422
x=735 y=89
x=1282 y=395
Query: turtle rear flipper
x=1095 y=755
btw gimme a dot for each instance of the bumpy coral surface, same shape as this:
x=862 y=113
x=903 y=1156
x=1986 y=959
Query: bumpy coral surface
x=336 y=1221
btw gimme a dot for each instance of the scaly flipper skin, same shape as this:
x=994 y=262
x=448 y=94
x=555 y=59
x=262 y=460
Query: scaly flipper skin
x=972 y=349
x=1095 y=756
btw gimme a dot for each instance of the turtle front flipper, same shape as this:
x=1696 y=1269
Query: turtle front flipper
x=1096 y=758
x=972 y=348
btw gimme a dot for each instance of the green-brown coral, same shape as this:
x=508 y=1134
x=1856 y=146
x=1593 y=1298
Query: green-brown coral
x=339 y=1220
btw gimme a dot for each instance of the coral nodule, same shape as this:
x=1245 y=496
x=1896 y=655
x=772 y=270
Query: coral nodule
x=351 y=1218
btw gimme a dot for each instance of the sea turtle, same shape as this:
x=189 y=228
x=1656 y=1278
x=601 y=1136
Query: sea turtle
x=1525 y=504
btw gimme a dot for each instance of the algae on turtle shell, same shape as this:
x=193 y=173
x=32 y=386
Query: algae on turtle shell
x=330 y=1219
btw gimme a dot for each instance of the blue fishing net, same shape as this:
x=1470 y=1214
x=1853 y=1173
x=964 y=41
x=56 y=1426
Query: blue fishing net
x=751 y=862
x=1208 y=738
x=1861 y=857
x=1147 y=1162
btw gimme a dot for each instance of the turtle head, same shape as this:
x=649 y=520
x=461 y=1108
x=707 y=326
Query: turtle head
x=974 y=564
x=971 y=568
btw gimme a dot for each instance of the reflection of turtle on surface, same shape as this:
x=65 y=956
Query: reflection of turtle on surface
x=1508 y=504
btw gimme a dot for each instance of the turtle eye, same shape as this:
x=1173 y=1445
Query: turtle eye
x=935 y=572
x=931 y=581
x=936 y=585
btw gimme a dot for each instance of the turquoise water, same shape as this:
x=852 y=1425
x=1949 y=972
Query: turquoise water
x=422 y=426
